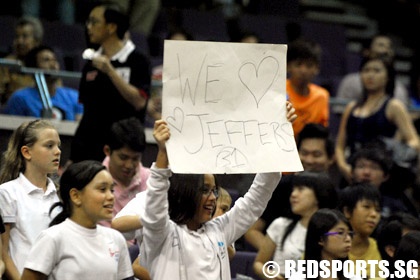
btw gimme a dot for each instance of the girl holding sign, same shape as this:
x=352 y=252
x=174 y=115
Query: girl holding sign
x=181 y=239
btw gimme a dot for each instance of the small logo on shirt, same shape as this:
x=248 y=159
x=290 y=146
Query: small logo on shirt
x=114 y=253
x=222 y=250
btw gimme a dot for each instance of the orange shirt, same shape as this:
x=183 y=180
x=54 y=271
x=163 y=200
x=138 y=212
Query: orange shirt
x=313 y=108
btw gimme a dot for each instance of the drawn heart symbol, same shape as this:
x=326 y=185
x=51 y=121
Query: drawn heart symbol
x=177 y=121
x=259 y=79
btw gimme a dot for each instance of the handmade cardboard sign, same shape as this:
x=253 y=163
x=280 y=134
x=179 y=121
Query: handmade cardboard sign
x=225 y=104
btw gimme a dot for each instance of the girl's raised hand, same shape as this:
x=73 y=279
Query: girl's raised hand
x=161 y=133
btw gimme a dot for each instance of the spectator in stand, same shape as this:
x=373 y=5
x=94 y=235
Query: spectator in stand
x=351 y=86
x=373 y=164
x=29 y=33
x=316 y=151
x=182 y=240
x=124 y=150
x=27 y=192
x=115 y=83
x=28 y=102
x=329 y=237
x=285 y=238
x=391 y=230
x=376 y=114
x=310 y=100
x=75 y=246
x=361 y=204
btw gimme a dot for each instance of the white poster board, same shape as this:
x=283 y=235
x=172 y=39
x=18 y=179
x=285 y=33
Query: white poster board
x=225 y=106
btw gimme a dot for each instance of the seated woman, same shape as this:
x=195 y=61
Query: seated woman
x=285 y=238
x=329 y=238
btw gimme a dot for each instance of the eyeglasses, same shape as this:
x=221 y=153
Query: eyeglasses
x=206 y=191
x=342 y=234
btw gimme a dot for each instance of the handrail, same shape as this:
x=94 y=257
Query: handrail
x=16 y=66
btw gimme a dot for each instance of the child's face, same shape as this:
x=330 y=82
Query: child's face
x=366 y=170
x=208 y=201
x=45 y=154
x=338 y=242
x=303 y=200
x=365 y=217
x=222 y=206
x=301 y=73
x=97 y=199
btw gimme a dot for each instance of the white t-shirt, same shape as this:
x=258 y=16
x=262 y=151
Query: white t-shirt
x=135 y=207
x=26 y=208
x=294 y=245
x=71 y=251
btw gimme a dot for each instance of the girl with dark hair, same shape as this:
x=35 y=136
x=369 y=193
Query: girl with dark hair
x=27 y=192
x=329 y=237
x=181 y=239
x=376 y=114
x=75 y=246
x=285 y=238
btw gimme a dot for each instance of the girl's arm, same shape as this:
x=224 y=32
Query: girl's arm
x=156 y=223
x=140 y=272
x=11 y=270
x=128 y=220
x=340 y=146
x=265 y=254
x=399 y=115
x=127 y=223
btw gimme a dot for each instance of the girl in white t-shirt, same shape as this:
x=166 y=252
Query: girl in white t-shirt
x=75 y=246
x=285 y=237
x=26 y=191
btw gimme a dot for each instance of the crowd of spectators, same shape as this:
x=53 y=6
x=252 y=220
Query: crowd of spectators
x=367 y=184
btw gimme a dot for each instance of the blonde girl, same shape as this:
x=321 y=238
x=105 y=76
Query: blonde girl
x=26 y=191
